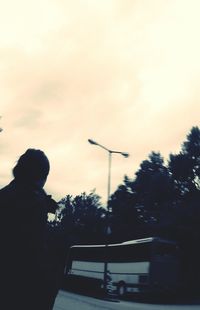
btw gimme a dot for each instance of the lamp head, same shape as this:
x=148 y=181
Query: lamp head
x=92 y=142
x=125 y=154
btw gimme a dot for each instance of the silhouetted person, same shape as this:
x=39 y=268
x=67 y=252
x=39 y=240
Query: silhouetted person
x=25 y=273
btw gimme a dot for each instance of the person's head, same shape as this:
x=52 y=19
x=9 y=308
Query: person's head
x=32 y=167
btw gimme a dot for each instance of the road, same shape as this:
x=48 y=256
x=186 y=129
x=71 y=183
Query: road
x=70 y=301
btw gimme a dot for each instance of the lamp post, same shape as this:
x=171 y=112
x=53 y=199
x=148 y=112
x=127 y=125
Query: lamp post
x=110 y=152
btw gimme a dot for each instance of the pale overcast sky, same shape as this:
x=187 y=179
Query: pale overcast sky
x=122 y=72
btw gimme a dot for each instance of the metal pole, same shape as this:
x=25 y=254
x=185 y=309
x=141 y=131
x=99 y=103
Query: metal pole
x=107 y=223
x=109 y=177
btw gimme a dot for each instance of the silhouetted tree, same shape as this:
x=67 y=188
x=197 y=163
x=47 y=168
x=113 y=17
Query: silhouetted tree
x=185 y=166
x=185 y=172
x=139 y=204
x=82 y=218
x=123 y=219
x=152 y=184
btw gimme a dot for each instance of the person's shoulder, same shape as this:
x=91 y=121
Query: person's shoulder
x=7 y=192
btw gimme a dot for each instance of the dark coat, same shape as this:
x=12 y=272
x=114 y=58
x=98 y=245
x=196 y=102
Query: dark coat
x=25 y=274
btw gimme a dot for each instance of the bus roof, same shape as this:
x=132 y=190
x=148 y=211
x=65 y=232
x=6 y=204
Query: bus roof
x=136 y=241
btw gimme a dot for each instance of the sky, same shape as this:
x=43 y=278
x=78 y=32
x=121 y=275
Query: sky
x=124 y=73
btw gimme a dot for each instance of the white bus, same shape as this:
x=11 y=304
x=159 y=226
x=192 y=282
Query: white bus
x=143 y=265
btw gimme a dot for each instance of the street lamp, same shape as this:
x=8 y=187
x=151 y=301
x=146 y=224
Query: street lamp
x=110 y=152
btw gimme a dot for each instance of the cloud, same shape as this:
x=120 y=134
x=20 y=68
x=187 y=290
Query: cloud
x=124 y=73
